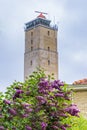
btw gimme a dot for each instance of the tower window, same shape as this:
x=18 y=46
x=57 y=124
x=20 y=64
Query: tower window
x=31 y=48
x=48 y=62
x=31 y=41
x=48 y=33
x=48 y=48
x=31 y=62
x=31 y=33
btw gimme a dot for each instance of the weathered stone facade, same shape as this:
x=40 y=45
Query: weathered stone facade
x=79 y=97
x=41 y=48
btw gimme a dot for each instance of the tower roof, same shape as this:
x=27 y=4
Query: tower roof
x=41 y=16
x=40 y=21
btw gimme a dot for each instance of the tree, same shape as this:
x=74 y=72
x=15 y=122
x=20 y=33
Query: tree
x=37 y=104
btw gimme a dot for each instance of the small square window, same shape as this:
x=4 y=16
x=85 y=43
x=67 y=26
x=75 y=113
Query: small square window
x=48 y=48
x=31 y=48
x=31 y=62
x=48 y=62
x=31 y=41
x=48 y=33
x=31 y=33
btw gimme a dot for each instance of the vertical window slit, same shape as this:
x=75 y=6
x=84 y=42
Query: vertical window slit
x=48 y=62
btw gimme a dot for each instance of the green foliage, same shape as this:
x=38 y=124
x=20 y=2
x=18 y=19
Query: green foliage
x=37 y=104
x=76 y=123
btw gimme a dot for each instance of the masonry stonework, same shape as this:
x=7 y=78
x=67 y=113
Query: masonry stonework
x=41 y=47
x=79 y=97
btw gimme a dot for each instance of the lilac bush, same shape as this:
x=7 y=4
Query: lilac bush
x=36 y=104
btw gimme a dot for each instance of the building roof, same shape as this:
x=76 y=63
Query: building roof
x=82 y=81
x=40 y=21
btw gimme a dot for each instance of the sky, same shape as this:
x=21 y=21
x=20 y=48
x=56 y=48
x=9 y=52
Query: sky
x=71 y=18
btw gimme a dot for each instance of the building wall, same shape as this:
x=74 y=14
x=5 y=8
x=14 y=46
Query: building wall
x=46 y=56
x=79 y=97
x=43 y=52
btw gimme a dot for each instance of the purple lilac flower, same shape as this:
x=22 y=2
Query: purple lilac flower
x=1 y=127
x=63 y=115
x=45 y=89
x=28 y=128
x=43 y=125
x=52 y=104
x=63 y=127
x=1 y=116
x=19 y=91
x=25 y=115
x=17 y=94
x=7 y=102
x=44 y=86
x=50 y=88
x=41 y=99
x=29 y=110
x=51 y=98
x=60 y=83
x=12 y=111
x=43 y=83
x=53 y=114
x=42 y=90
x=25 y=105
x=59 y=95
x=55 y=127
x=56 y=84
x=66 y=125
x=73 y=110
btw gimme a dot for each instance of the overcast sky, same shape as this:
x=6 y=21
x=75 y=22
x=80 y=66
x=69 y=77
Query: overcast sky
x=71 y=17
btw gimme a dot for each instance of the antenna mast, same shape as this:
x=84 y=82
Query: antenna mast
x=41 y=12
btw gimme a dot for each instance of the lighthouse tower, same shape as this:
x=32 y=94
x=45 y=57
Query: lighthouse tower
x=41 y=46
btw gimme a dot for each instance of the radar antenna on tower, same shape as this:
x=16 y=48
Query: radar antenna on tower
x=41 y=12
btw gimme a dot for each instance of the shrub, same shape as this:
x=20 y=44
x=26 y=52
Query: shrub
x=37 y=104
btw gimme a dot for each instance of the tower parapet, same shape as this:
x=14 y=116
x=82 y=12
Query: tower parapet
x=40 y=21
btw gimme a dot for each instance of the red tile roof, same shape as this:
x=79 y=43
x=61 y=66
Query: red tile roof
x=82 y=81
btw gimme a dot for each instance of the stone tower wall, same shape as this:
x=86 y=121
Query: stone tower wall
x=41 y=50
